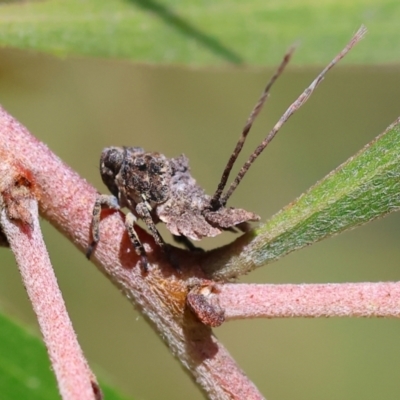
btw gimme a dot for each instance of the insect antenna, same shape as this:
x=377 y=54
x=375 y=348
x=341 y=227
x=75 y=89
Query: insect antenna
x=215 y=201
x=289 y=112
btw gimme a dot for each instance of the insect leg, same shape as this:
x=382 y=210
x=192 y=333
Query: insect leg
x=130 y=220
x=144 y=214
x=142 y=210
x=102 y=200
x=187 y=243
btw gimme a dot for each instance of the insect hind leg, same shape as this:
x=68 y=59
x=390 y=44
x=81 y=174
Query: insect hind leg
x=187 y=243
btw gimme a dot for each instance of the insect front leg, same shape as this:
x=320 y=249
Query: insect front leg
x=130 y=220
x=102 y=201
x=143 y=212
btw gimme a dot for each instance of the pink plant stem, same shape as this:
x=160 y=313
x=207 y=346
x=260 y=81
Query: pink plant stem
x=381 y=299
x=70 y=367
x=67 y=202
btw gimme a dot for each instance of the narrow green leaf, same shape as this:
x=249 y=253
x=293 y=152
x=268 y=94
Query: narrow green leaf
x=365 y=187
x=202 y=32
x=24 y=365
x=25 y=371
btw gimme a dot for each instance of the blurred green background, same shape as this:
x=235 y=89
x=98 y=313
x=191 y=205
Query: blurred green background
x=78 y=106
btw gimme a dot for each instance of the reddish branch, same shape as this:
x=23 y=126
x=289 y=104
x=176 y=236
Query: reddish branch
x=381 y=299
x=19 y=221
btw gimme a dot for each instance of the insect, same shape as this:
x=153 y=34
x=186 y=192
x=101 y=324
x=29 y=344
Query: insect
x=157 y=189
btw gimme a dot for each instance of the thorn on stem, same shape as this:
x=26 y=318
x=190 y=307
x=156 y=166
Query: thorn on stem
x=17 y=188
x=204 y=304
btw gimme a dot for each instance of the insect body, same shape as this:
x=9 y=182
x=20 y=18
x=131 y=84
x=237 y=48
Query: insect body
x=157 y=189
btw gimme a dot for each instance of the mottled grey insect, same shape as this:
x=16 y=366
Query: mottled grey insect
x=157 y=189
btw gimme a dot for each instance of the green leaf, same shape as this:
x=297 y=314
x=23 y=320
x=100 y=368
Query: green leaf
x=365 y=187
x=25 y=371
x=202 y=32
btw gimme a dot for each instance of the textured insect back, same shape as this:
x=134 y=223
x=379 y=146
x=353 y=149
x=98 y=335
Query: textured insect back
x=145 y=177
x=183 y=213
